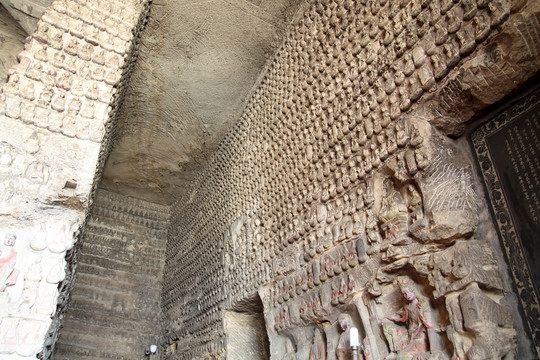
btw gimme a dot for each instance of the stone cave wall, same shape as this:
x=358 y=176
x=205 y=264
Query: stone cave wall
x=57 y=113
x=114 y=308
x=340 y=191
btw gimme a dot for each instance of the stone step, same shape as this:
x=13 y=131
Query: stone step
x=97 y=222
x=106 y=263
x=129 y=205
x=150 y=238
x=78 y=349
x=67 y=351
x=125 y=253
x=111 y=274
x=152 y=220
x=99 y=294
x=114 y=309
x=104 y=344
x=135 y=211
x=107 y=236
x=79 y=302
x=85 y=280
x=104 y=319
x=77 y=329
x=148 y=223
x=123 y=220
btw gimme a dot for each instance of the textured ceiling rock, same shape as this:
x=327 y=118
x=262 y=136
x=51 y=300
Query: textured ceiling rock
x=12 y=37
x=26 y=12
x=198 y=61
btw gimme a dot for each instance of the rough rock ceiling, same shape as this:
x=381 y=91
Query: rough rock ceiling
x=12 y=37
x=198 y=61
x=26 y=12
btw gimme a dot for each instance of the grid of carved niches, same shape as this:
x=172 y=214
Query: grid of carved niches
x=324 y=118
x=71 y=67
x=133 y=211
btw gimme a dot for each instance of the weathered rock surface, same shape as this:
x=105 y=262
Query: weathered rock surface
x=197 y=64
x=57 y=114
x=114 y=310
x=11 y=39
x=340 y=198
x=336 y=194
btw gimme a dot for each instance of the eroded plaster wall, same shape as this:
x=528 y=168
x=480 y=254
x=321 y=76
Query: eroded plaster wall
x=57 y=114
x=338 y=191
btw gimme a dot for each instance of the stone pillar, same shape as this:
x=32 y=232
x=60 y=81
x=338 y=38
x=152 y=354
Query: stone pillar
x=57 y=113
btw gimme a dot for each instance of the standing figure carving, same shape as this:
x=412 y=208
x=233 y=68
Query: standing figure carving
x=343 y=349
x=393 y=215
x=318 y=348
x=8 y=257
x=416 y=314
